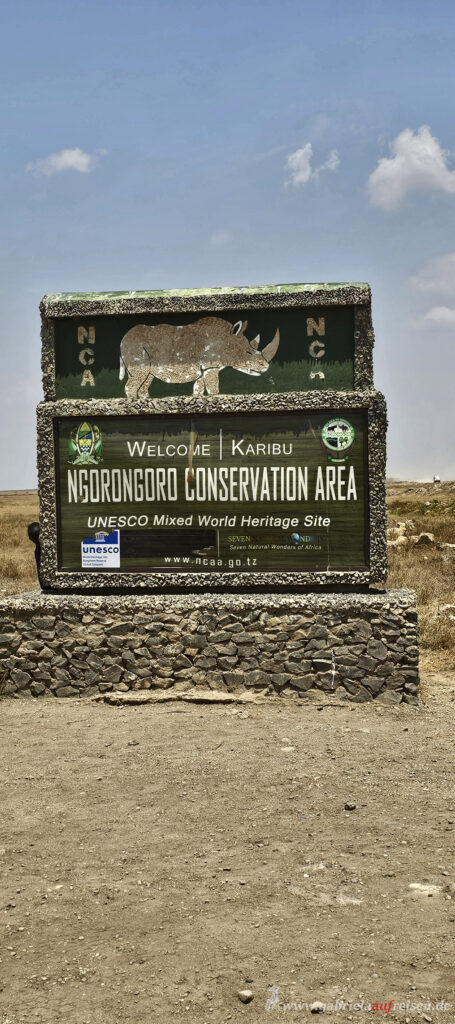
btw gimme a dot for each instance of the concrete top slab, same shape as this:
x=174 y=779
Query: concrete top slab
x=67 y=304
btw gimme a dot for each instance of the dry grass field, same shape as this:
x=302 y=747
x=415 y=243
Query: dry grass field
x=17 y=559
x=428 y=568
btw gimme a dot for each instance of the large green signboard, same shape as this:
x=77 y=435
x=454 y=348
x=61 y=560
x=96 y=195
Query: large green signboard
x=238 y=492
x=230 y=352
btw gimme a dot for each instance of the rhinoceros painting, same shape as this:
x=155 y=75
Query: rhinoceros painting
x=194 y=352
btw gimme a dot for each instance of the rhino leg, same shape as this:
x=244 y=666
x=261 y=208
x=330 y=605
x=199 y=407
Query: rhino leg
x=212 y=382
x=138 y=383
x=143 y=390
x=198 y=386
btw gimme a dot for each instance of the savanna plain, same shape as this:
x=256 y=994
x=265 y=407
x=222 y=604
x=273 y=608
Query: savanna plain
x=157 y=861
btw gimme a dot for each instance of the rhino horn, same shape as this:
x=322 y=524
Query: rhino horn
x=271 y=349
x=240 y=327
x=255 y=342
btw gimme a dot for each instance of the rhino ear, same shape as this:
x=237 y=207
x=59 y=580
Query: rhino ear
x=239 y=326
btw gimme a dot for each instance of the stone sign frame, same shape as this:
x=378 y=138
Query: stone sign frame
x=215 y=300
x=329 y=401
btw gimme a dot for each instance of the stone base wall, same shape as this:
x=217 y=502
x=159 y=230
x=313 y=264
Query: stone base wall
x=356 y=646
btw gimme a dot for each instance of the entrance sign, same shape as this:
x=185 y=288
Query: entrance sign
x=238 y=341
x=218 y=492
x=213 y=492
x=208 y=460
x=211 y=438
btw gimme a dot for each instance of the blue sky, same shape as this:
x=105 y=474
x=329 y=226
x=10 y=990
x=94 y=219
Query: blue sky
x=186 y=143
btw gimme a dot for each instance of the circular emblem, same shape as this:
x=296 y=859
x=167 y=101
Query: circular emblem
x=338 y=435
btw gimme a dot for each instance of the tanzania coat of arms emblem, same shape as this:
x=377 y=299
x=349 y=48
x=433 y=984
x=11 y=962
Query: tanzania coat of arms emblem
x=84 y=445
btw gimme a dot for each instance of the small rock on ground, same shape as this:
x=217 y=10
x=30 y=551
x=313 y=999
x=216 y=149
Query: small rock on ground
x=245 y=995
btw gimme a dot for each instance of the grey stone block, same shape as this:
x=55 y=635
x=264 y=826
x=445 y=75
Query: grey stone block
x=340 y=693
x=256 y=678
x=115 y=643
x=128 y=657
x=44 y=622
x=120 y=629
x=36 y=688
x=301 y=682
x=112 y=674
x=61 y=674
x=315 y=646
x=360 y=695
x=373 y=683
x=62 y=630
x=194 y=640
x=95 y=661
x=280 y=679
x=182 y=661
x=318 y=633
x=349 y=672
x=43 y=677
x=377 y=650
x=219 y=637
x=389 y=697
x=366 y=663
x=411 y=687
x=20 y=678
x=234 y=679
x=227 y=650
x=325 y=680
x=227 y=663
x=395 y=681
x=297 y=668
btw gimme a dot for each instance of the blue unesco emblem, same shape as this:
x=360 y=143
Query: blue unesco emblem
x=84 y=445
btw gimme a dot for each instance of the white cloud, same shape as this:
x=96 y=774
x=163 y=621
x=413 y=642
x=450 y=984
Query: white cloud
x=442 y=316
x=417 y=164
x=66 y=160
x=437 y=276
x=331 y=164
x=299 y=165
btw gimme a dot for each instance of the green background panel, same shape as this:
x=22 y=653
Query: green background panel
x=289 y=370
x=341 y=546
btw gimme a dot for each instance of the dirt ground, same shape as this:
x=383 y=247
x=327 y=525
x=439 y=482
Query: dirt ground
x=157 y=860
x=154 y=861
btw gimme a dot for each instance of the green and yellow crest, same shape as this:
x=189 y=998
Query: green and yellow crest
x=84 y=445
